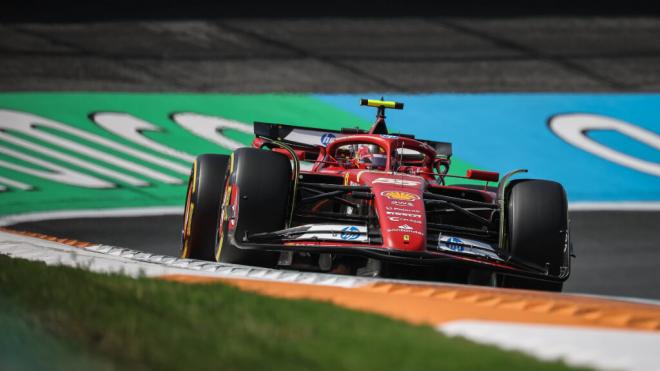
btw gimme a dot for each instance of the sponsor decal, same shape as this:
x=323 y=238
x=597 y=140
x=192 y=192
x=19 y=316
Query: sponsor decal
x=405 y=226
x=349 y=233
x=466 y=246
x=404 y=214
x=405 y=231
x=400 y=196
x=401 y=209
x=311 y=136
x=402 y=203
x=399 y=219
x=452 y=244
x=395 y=181
x=388 y=136
x=327 y=138
x=333 y=232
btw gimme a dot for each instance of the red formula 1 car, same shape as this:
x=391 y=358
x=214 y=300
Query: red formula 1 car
x=371 y=203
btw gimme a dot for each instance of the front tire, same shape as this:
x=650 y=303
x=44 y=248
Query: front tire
x=537 y=229
x=200 y=218
x=259 y=186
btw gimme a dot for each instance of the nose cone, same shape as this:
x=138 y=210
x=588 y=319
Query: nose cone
x=400 y=208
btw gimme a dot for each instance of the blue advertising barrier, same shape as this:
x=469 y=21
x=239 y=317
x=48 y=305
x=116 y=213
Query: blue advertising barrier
x=602 y=147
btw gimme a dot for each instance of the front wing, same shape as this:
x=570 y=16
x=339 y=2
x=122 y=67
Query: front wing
x=423 y=258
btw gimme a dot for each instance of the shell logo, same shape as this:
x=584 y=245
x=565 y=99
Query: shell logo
x=399 y=195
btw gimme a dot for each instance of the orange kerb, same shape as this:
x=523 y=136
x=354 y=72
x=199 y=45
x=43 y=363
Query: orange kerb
x=66 y=241
x=437 y=304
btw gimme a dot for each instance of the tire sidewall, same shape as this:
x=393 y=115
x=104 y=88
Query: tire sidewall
x=263 y=182
x=207 y=180
x=537 y=225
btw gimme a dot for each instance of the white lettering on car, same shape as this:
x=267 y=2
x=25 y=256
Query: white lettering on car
x=400 y=219
x=403 y=214
x=405 y=231
x=397 y=181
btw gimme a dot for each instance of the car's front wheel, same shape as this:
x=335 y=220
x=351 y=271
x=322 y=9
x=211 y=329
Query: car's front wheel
x=201 y=211
x=537 y=230
x=256 y=199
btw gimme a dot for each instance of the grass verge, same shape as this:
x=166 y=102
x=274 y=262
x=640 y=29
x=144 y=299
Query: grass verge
x=96 y=321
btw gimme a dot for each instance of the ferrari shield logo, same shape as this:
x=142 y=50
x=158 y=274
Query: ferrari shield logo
x=399 y=195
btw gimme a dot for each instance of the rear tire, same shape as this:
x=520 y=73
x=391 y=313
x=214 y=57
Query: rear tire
x=205 y=191
x=537 y=229
x=263 y=182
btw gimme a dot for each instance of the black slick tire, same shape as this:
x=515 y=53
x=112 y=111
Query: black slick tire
x=263 y=182
x=537 y=229
x=203 y=197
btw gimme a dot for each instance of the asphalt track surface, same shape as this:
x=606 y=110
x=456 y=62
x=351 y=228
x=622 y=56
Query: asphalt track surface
x=618 y=252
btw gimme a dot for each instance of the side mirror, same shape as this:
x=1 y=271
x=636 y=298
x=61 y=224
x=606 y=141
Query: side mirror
x=443 y=149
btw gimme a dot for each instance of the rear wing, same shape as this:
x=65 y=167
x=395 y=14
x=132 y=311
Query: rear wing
x=309 y=138
x=298 y=136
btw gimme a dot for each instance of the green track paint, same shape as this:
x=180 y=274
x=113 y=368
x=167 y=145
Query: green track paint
x=77 y=111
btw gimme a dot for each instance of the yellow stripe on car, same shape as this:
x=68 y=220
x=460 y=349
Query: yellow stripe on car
x=194 y=175
x=186 y=239
x=225 y=208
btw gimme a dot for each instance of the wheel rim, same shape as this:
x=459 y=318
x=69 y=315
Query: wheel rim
x=224 y=207
x=187 y=214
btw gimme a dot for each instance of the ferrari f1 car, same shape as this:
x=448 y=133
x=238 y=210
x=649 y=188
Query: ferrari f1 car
x=373 y=203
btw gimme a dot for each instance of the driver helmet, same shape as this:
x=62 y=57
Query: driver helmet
x=372 y=156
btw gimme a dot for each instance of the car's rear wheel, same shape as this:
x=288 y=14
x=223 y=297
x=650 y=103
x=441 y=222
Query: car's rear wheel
x=202 y=206
x=256 y=200
x=537 y=230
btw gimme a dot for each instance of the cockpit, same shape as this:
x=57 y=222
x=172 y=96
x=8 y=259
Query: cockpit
x=366 y=156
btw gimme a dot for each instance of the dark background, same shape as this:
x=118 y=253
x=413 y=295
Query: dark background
x=84 y=11
x=348 y=47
